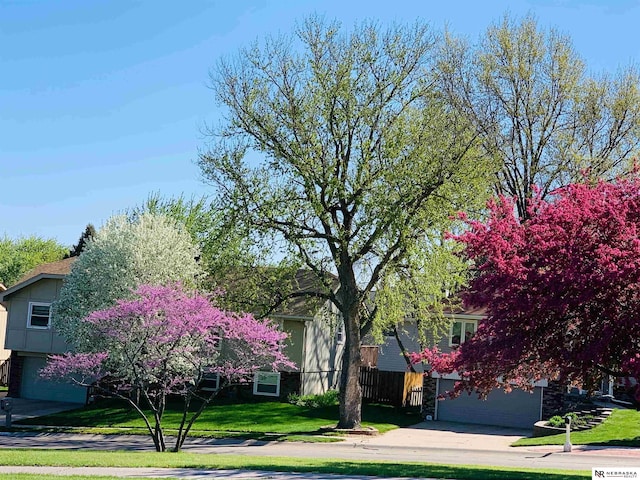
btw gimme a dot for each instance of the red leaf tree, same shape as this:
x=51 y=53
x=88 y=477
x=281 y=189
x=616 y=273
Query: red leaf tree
x=163 y=342
x=561 y=288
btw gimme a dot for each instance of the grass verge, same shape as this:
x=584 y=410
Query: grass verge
x=280 y=464
x=622 y=429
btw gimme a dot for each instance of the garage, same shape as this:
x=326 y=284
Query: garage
x=517 y=409
x=34 y=387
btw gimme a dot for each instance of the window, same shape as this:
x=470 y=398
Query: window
x=267 y=383
x=461 y=331
x=39 y=315
x=340 y=332
x=210 y=382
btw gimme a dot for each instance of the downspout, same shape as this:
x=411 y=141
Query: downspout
x=435 y=410
x=303 y=367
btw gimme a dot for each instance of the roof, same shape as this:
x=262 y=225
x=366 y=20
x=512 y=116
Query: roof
x=467 y=311
x=305 y=306
x=300 y=306
x=59 y=269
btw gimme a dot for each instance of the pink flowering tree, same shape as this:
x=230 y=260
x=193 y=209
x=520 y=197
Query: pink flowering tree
x=163 y=342
x=561 y=289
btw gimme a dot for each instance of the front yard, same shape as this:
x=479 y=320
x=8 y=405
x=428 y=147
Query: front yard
x=255 y=419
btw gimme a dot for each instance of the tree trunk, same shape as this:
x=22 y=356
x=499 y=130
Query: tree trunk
x=350 y=390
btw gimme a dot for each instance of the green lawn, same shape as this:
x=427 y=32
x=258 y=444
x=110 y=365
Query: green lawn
x=244 y=419
x=282 y=464
x=622 y=428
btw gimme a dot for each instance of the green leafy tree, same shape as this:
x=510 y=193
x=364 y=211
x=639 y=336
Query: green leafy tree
x=538 y=111
x=338 y=145
x=123 y=254
x=19 y=256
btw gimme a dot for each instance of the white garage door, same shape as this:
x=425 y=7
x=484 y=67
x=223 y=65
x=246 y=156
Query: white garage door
x=37 y=388
x=517 y=409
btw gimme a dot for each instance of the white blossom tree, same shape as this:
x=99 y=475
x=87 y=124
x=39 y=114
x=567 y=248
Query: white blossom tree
x=152 y=249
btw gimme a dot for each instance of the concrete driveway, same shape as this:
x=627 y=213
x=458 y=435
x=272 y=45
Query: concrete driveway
x=26 y=408
x=437 y=434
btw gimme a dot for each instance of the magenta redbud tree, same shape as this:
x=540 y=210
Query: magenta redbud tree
x=561 y=289
x=163 y=342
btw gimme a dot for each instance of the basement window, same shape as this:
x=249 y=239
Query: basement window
x=210 y=382
x=267 y=383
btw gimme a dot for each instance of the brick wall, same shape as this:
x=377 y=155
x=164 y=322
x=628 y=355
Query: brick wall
x=429 y=396
x=15 y=375
x=552 y=400
x=289 y=383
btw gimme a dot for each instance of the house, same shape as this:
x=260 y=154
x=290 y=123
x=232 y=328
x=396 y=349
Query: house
x=315 y=345
x=30 y=337
x=515 y=409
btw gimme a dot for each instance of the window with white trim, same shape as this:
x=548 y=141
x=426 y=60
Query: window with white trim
x=266 y=383
x=461 y=331
x=210 y=382
x=39 y=315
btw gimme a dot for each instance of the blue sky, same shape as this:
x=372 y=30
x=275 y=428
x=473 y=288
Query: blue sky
x=103 y=102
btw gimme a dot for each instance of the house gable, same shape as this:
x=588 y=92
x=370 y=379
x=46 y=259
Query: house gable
x=39 y=287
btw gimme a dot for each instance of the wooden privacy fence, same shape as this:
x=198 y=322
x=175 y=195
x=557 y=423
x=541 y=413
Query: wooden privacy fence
x=400 y=389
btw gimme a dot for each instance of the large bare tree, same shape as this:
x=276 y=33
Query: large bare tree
x=537 y=109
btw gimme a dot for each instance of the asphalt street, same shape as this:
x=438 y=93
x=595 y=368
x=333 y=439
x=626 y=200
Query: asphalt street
x=372 y=449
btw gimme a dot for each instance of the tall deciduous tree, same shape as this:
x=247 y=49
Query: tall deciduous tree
x=163 y=342
x=560 y=288
x=537 y=110
x=19 y=256
x=153 y=250
x=339 y=145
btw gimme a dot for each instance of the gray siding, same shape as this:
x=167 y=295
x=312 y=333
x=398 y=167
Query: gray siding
x=517 y=409
x=21 y=338
x=322 y=357
x=295 y=342
x=390 y=357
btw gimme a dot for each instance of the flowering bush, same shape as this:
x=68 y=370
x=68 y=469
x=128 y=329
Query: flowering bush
x=163 y=342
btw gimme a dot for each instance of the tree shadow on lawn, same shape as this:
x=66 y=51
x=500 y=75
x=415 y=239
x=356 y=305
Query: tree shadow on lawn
x=249 y=418
x=105 y=413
